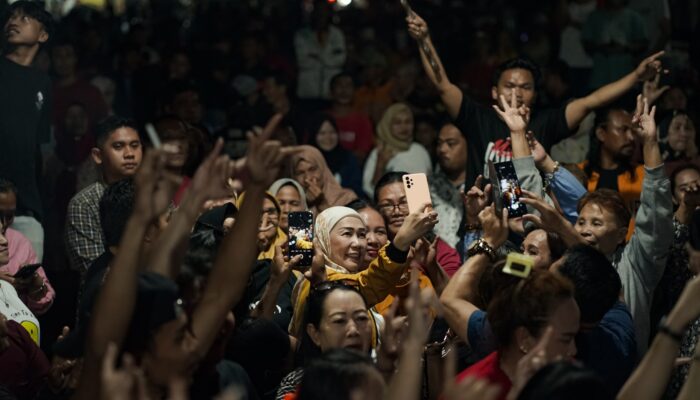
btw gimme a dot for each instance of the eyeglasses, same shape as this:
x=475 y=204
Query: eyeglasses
x=388 y=208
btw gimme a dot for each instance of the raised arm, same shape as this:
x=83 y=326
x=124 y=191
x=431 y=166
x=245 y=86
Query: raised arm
x=462 y=291
x=115 y=305
x=171 y=246
x=450 y=94
x=238 y=251
x=577 y=110
x=649 y=380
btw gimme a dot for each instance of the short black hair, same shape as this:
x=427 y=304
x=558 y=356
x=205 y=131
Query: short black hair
x=116 y=205
x=280 y=79
x=34 y=10
x=596 y=282
x=357 y=204
x=7 y=186
x=674 y=174
x=110 y=124
x=387 y=179
x=334 y=374
x=518 y=63
x=338 y=76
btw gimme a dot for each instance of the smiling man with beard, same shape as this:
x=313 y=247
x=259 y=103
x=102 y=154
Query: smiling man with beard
x=611 y=152
x=118 y=155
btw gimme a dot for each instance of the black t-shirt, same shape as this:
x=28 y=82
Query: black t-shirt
x=25 y=105
x=254 y=292
x=488 y=136
x=608 y=178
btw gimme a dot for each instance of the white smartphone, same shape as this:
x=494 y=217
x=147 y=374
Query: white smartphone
x=153 y=136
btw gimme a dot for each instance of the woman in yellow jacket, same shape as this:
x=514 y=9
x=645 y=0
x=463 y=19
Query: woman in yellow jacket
x=340 y=246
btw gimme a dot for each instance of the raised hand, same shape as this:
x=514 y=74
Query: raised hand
x=317 y=273
x=264 y=157
x=282 y=265
x=118 y=384
x=155 y=186
x=417 y=27
x=649 y=67
x=388 y=351
x=495 y=226
x=644 y=119
x=211 y=180
x=539 y=154
x=515 y=117
x=476 y=200
x=415 y=226
x=651 y=90
x=533 y=361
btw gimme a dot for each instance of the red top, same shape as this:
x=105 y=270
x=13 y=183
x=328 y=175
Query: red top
x=448 y=258
x=355 y=132
x=489 y=368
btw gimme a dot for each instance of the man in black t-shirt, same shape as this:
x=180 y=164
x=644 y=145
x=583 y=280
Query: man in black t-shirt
x=24 y=112
x=487 y=135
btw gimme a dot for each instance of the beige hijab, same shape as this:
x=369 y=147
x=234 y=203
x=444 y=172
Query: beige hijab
x=384 y=134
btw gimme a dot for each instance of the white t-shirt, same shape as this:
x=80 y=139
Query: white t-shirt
x=14 y=309
x=414 y=160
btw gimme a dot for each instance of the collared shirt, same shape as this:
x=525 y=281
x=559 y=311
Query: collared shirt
x=84 y=237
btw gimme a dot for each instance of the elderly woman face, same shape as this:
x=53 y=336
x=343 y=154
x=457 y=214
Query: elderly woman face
x=681 y=133
x=402 y=126
x=348 y=243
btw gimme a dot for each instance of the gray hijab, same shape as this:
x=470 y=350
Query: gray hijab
x=278 y=184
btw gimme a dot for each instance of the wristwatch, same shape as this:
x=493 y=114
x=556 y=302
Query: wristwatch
x=480 y=246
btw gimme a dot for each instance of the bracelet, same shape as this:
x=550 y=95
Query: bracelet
x=665 y=330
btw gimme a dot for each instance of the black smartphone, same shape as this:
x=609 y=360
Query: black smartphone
x=27 y=271
x=301 y=236
x=506 y=188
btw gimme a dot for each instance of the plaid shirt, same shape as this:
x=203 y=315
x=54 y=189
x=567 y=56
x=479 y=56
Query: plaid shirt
x=84 y=238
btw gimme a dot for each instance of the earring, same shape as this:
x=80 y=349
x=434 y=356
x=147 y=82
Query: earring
x=523 y=349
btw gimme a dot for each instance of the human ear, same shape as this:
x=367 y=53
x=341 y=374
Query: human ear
x=96 y=155
x=314 y=334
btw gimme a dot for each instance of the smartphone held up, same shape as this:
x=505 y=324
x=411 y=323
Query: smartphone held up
x=506 y=188
x=417 y=191
x=301 y=236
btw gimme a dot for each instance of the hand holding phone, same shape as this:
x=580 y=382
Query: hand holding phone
x=417 y=192
x=27 y=271
x=301 y=237
x=506 y=188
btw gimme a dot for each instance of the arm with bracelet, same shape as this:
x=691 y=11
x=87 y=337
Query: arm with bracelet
x=650 y=379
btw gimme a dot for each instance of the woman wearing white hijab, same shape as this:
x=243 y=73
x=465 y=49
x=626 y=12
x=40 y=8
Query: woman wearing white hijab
x=341 y=240
x=290 y=196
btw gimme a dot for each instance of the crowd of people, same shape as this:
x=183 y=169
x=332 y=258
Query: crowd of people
x=152 y=154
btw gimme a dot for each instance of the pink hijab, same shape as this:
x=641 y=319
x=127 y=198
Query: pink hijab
x=333 y=193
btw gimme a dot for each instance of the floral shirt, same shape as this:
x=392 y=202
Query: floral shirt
x=447 y=201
